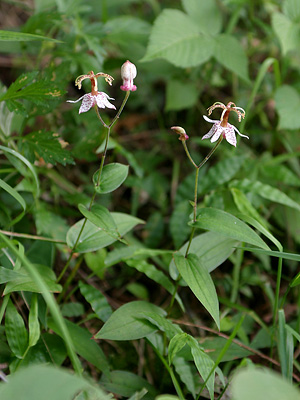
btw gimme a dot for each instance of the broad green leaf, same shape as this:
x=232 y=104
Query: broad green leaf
x=83 y=344
x=11 y=36
x=280 y=173
x=162 y=323
x=180 y=95
x=113 y=175
x=176 y=344
x=17 y=197
x=47 y=382
x=212 y=248
x=222 y=222
x=287 y=103
x=101 y=217
x=156 y=275
x=72 y=309
x=203 y=363
x=286 y=31
x=22 y=280
x=27 y=163
x=46 y=145
x=123 y=324
x=16 y=333
x=206 y=14
x=126 y=28
x=199 y=281
x=178 y=39
x=262 y=384
x=93 y=238
x=97 y=301
x=230 y=53
x=125 y=384
x=33 y=321
x=267 y=192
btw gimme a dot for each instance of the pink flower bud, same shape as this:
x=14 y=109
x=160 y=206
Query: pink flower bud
x=128 y=73
x=181 y=132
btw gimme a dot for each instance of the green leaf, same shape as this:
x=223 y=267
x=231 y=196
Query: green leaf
x=125 y=384
x=206 y=14
x=203 y=363
x=181 y=95
x=33 y=321
x=17 y=197
x=267 y=192
x=176 y=344
x=46 y=145
x=222 y=222
x=179 y=222
x=101 y=217
x=22 y=280
x=231 y=55
x=93 y=238
x=16 y=333
x=199 y=281
x=47 y=382
x=296 y=280
x=113 y=175
x=123 y=324
x=287 y=103
x=212 y=248
x=97 y=301
x=126 y=28
x=83 y=344
x=286 y=31
x=262 y=384
x=281 y=254
x=10 y=36
x=178 y=39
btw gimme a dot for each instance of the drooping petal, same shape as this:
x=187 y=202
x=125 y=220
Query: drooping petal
x=211 y=132
x=75 y=101
x=212 y=121
x=230 y=135
x=237 y=131
x=102 y=100
x=87 y=103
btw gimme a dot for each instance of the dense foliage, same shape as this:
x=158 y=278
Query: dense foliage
x=134 y=265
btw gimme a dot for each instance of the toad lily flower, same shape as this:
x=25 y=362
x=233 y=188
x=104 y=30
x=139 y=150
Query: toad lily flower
x=222 y=127
x=95 y=97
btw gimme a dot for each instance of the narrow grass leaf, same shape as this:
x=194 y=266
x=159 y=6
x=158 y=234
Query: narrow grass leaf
x=33 y=321
x=11 y=36
x=280 y=254
x=222 y=222
x=113 y=175
x=199 y=281
x=123 y=324
x=16 y=333
x=5 y=186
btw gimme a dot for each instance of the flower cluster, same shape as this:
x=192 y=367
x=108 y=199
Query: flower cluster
x=101 y=99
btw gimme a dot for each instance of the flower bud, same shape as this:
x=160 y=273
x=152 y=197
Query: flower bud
x=128 y=73
x=181 y=132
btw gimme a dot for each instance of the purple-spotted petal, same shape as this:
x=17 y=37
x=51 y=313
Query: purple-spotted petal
x=88 y=101
x=211 y=132
x=237 y=131
x=230 y=135
x=102 y=100
x=218 y=133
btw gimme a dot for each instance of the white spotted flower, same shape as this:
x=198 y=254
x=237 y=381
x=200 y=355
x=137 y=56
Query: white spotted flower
x=222 y=126
x=95 y=97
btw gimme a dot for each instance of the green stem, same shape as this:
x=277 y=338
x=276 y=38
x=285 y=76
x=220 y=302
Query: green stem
x=69 y=280
x=98 y=178
x=170 y=371
x=236 y=275
x=34 y=237
x=276 y=301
